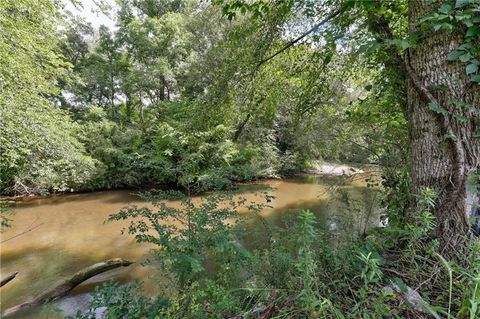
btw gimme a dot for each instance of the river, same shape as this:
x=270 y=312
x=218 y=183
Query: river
x=68 y=233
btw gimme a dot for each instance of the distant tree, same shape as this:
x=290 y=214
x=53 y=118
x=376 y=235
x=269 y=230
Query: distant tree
x=38 y=144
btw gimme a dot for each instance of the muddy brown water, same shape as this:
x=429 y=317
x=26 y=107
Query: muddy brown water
x=68 y=233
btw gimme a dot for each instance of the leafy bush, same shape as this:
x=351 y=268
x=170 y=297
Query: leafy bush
x=122 y=301
x=203 y=160
x=40 y=151
x=197 y=233
x=166 y=153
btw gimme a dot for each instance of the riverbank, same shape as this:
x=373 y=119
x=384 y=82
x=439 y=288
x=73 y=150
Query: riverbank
x=317 y=168
x=332 y=169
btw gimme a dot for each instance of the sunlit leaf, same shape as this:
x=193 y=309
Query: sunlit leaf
x=471 y=68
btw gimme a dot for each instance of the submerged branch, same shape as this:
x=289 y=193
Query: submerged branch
x=29 y=229
x=8 y=279
x=67 y=285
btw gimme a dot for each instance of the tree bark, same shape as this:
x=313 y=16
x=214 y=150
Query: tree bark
x=67 y=285
x=445 y=152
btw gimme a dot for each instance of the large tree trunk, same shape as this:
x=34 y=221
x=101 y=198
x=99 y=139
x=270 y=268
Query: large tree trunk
x=440 y=161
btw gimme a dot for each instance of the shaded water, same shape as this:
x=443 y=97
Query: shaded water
x=68 y=233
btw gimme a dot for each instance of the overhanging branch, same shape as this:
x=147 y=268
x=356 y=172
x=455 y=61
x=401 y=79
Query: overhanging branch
x=302 y=36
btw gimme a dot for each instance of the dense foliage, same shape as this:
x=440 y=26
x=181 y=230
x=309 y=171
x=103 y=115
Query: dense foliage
x=39 y=144
x=176 y=87
x=198 y=95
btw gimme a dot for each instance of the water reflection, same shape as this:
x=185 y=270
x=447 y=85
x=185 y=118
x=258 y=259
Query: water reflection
x=73 y=234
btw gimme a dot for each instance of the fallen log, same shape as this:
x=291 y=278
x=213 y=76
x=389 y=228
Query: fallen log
x=8 y=279
x=64 y=287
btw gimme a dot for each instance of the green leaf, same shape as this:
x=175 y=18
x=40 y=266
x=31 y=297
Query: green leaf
x=445 y=8
x=473 y=308
x=400 y=284
x=437 y=108
x=471 y=68
x=401 y=43
x=369 y=47
x=465 y=57
x=466 y=46
x=454 y=55
x=460 y=118
x=461 y=3
x=473 y=31
x=459 y=16
x=447 y=26
x=404 y=44
x=475 y=78
x=338 y=313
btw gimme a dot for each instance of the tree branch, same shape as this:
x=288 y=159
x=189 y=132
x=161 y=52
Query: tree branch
x=67 y=285
x=29 y=229
x=8 y=279
x=302 y=36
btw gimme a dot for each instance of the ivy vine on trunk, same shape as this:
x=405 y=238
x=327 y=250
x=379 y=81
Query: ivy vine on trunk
x=443 y=116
